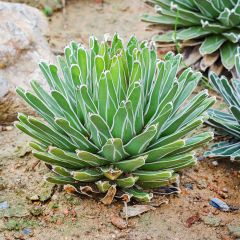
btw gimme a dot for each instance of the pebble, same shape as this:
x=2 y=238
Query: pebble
x=26 y=231
x=234 y=230
x=211 y=220
x=4 y=205
x=34 y=198
x=118 y=222
x=36 y=211
x=188 y=186
x=215 y=163
x=202 y=184
x=225 y=190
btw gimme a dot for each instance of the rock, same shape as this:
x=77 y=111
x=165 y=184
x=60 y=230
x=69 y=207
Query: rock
x=234 y=230
x=36 y=211
x=43 y=193
x=26 y=231
x=17 y=210
x=118 y=222
x=188 y=186
x=4 y=205
x=211 y=220
x=42 y=4
x=22 y=46
x=202 y=184
x=34 y=198
x=215 y=163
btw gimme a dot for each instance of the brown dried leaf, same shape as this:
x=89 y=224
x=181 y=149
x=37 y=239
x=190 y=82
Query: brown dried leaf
x=118 y=222
x=208 y=60
x=136 y=210
x=107 y=200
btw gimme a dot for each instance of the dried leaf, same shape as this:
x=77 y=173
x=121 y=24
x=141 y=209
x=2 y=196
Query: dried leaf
x=107 y=200
x=136 y=210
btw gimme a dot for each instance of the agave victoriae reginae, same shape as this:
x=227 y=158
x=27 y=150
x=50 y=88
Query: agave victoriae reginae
x=212 y=24
x=227 y=123
x=115 y=118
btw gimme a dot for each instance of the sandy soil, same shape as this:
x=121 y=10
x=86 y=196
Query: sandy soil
x=69 y=217
x=83 y=18
x=43 y=212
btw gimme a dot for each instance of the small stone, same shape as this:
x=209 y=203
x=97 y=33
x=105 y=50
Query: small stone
x=234 y=230
x=202 y=184
x=211 y=220
x=36 y=211
x=26 y=231
x=188 y=186
x=223 y=194
x=215 y=163
x=4 y=205
x=9 y=128
x=225 y=190
x=118 y=222
x=34 y=198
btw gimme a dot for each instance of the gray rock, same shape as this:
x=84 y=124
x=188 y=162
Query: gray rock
x=54 y=5
x=211 y=220
x=22 y=45
x=234 y=230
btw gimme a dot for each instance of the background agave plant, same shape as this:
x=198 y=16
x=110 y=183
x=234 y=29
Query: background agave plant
x=214 y=24
x=227 y=123
x=115 y=118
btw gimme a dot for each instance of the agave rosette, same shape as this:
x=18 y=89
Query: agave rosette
x=212 y=24
x=227 y=123
x=115 y=118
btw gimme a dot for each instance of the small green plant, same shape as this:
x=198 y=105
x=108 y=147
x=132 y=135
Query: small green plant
x=48 y=11
x=228 y=124
x=116 y=118
x=214 y=24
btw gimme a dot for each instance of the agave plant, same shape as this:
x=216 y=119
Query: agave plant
x=214 y=24
x=115 y=119
x=228 y=124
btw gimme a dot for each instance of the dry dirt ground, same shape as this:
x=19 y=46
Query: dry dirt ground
x=30 y=209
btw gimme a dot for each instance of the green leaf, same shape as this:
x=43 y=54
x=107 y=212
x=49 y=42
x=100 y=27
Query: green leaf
x=111 y=173
x=139 y=143
x=211 y=44
x=88 y=175
x=99 y=125
x=69 y=157
x=194 y=142
x=92 y=159
x=131 y=164
x=77 y=137
x=139 y=195
x=168 y=162
x=160 y=152
x=103 y=186
x=83 y=64
x=61 y=171
x=60 y=179
x=227 y=53
x=158 y=184
x=144 y=176
x=113 y=150
x=126 y=182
